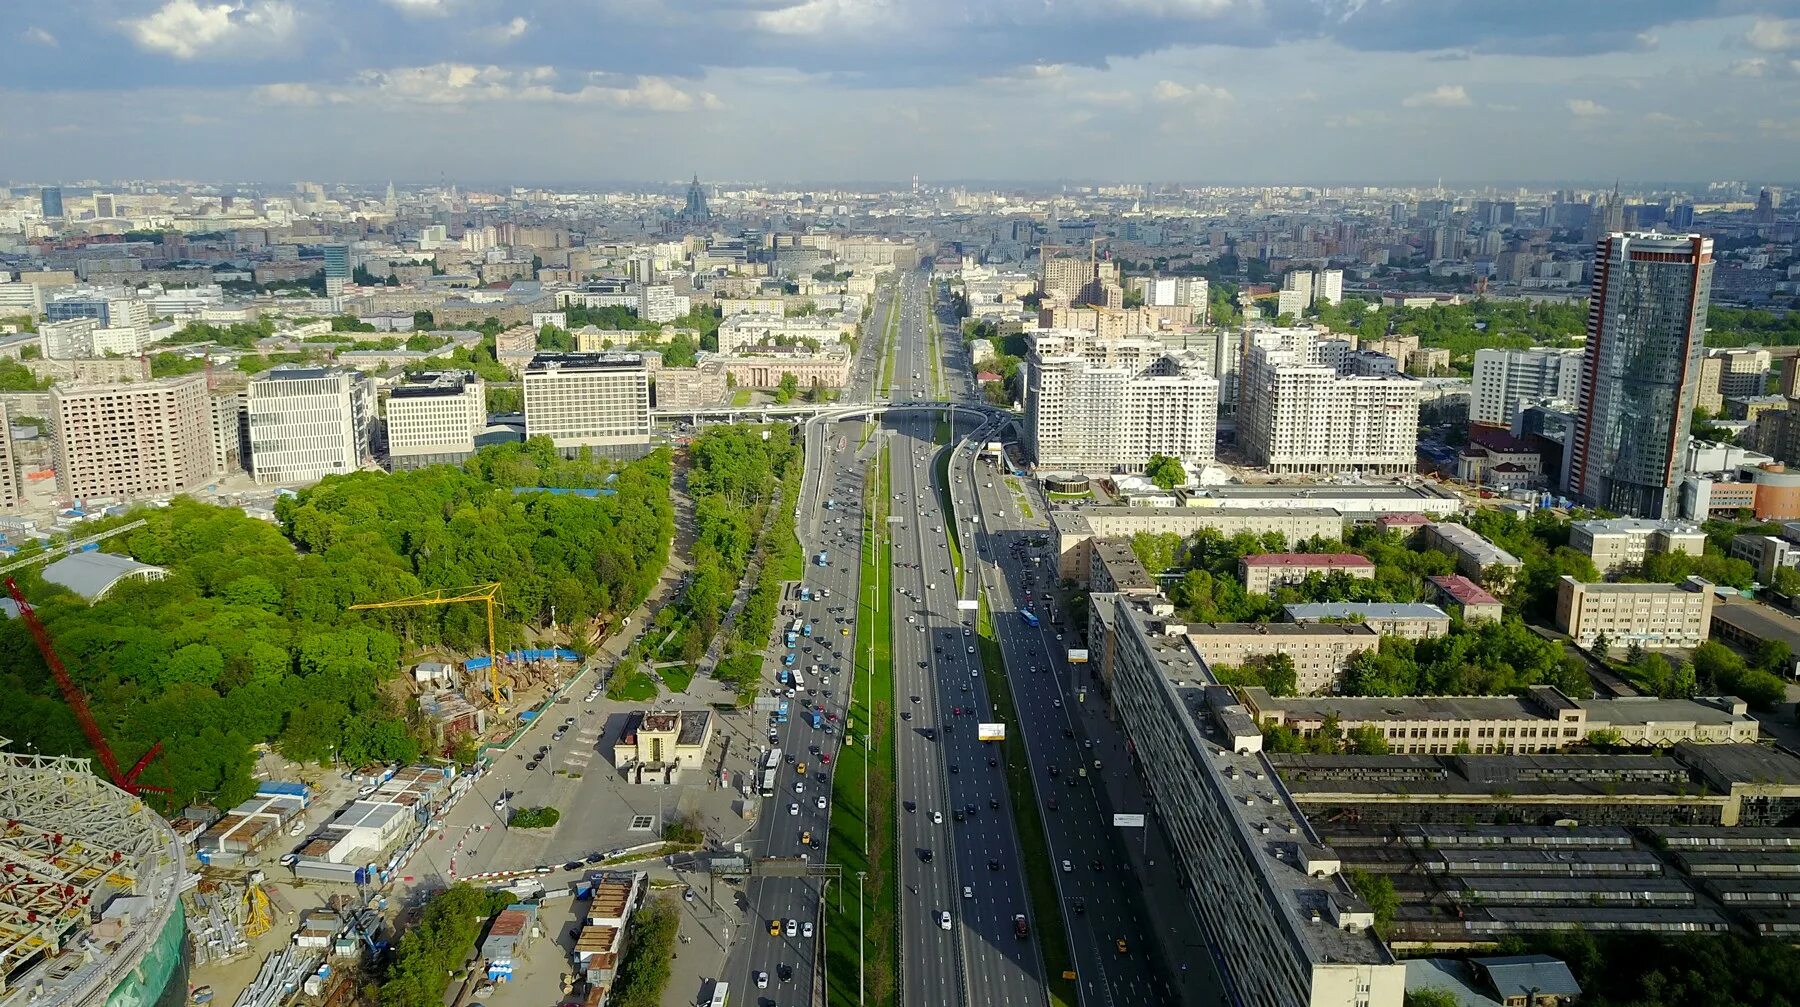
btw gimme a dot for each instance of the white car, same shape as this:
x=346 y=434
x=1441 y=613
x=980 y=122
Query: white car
x=1066 y=867
x=799 y=788
x=820 y=802
x=1056 y=703
x=943 y=919
x=762 y=980
x=937 y=818
x=806 y=929
x=794 y=808
x=791 y=929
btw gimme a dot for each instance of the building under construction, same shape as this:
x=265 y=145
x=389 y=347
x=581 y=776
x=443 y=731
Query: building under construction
x=90 y=879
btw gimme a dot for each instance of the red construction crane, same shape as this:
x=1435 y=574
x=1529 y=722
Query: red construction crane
x=126 y=781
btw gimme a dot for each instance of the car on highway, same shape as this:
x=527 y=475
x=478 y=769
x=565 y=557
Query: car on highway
x=806 y=929
x=794 y=809
x=911 y=805
x=791 y=929
x=806 y=838
x=762 y=980
x=1120 y=944
x=825 y=759
x=944 y=920
x=799 y=788
x=774 y=928
x=819 y=802
x=937 y=818
x=968 y=892
x=1067 y=867
x=926 y=855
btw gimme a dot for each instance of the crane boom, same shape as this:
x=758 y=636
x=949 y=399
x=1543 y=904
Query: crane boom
x=72 y=694
x=488 y=593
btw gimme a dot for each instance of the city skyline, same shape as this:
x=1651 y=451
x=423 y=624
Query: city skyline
x=1034 y=92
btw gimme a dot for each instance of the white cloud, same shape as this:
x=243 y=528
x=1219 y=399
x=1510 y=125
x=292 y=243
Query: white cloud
x=513 y=29
x=187 y=29
x=821 y=17
x=420 y=8
x=287 y=94
x=1170 y=91
x=462 y=83
x=1442 y=96
x=1771 y=35
x=38 y=36
x=1754 y=67
x=1586 y=107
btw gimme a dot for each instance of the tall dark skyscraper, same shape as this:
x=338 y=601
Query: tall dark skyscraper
x=696 y=211
x=1641 y=371
x=51 y=197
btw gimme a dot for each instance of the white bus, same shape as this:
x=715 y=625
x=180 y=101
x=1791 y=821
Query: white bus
x=771 y=766
x=799 y=680
x=721 y=995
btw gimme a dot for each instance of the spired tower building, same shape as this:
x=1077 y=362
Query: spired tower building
x=696 y=211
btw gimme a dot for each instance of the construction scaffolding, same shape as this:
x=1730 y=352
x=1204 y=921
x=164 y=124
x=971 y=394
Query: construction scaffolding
x=69 y=841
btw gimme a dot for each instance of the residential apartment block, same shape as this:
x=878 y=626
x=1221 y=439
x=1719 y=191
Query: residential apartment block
x=1412 y=620
x=1475 y=556
x=1319 y=650
x=599 y=400
x=1115 y=405
x=1653 y=616
x=1264 y=573
x=1618 y=544
x=434 y=417
x=307 y=423
x=1306 y=938
x=1506 y=381
x=1298 y=415
x=145 y=439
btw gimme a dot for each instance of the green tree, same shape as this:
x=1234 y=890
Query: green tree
x=788 y=388
x=1786 y=581
x=1368 y=740
x=1165 y=472
x=1601 y=646
x=1377 y=891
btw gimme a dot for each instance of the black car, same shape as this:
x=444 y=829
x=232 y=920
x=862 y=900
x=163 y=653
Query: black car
x=925 y=855
x=529 y=766
x=953 y=767
x=994 y=803
x=956 y=815
x=993 y=865
x=911 y=805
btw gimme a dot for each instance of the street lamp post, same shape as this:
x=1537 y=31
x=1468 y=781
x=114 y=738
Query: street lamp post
x=861 y=944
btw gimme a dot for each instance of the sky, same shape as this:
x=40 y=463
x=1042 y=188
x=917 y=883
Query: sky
x=610 y=91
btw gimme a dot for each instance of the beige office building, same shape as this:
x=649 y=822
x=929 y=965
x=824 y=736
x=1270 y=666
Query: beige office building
x=1652 y=616
x=148 y=439
x=1319 y=650
x=588 y=399
x=655 y=745
x=434 y=418
x=1297 y=415
x=1264 y=573
x=1616 y=544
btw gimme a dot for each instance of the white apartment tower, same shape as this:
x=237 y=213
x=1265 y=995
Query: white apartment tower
x=1328 y=286
x=598 y=400
x=307 y=423
x=1298 y=414
x=1507 y=381
x=148 y=438
x=1106 y=412
x=434 y=418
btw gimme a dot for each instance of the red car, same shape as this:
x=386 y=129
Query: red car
x=831 y=717
x=824 y=760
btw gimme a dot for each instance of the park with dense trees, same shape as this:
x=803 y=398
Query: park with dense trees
x=248 y=641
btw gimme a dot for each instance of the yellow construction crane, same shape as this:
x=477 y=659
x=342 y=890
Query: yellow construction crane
x=489 y=593
x=258 y=916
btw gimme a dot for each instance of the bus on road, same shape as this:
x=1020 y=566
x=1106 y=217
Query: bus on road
x=771 y=765
x=1030 y=620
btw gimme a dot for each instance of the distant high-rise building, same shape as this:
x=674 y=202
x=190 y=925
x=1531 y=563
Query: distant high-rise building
x=10 y=492
x=1507 y=381
x=307 y=423
x=1300 y=281
x=337 y=269
x=147 y=438
x=1765 y=208
x=1640 y=371
x=103 y=206
x=1681 y=216
x=696 y=210
x=390 y=201
x=50 y=197
x=1328 y=286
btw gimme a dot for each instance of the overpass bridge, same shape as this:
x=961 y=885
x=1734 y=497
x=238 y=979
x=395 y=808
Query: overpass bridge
x=830 y=411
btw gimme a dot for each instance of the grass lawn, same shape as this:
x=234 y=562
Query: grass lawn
x=950 y=530
x=677 y=676
x=871 y=715
x=1046 y=909
x=638 y=687
x=890 y=343
x=740 y=397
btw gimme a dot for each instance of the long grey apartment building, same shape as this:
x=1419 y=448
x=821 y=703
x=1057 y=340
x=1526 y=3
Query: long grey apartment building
x=589 y=400
x=1279 y=918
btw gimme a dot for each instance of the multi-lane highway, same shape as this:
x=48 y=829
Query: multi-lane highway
x=963 y=882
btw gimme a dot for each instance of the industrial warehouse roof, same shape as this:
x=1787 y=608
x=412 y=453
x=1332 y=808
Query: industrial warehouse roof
x=93 y=574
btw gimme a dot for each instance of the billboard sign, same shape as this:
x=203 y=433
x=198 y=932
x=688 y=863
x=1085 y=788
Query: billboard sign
x=1078 y=655
x=990 y=732
x=1128 y=821
x=967 y=604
